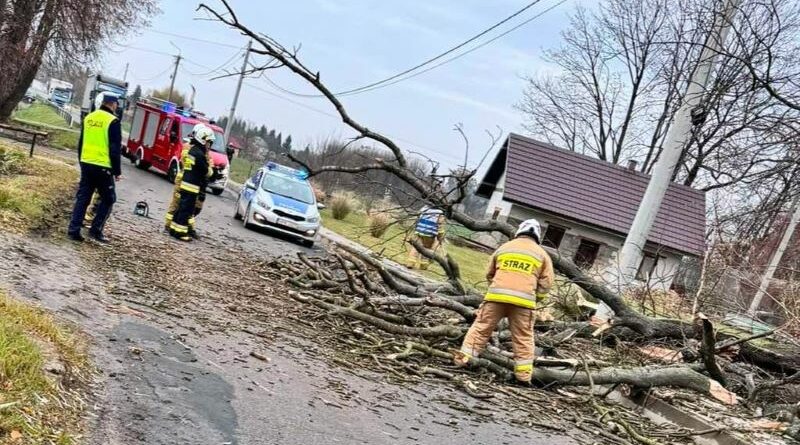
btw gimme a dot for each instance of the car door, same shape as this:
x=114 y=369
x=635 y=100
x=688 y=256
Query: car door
x=162 y=146
x=249 y=189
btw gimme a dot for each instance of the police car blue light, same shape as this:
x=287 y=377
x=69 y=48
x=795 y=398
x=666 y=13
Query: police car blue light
x=280 y=198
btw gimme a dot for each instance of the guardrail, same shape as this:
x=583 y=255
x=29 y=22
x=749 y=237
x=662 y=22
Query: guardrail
x=63 y=112
x=34 y=133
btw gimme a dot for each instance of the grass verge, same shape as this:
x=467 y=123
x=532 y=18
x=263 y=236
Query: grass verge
x=355 y=227
x=43 y=366
x=43 y=117
x=34 y=192
x=241 y=169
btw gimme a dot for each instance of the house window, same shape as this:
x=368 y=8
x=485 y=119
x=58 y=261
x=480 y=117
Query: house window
x=553 y=236
x=496 y=213
x=647 y=267
x=586 y=254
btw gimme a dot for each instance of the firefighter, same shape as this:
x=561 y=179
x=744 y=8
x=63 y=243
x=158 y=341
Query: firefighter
x=176 y=195
x=521 y=275
x=430 y=231
x=99 y=150
x=194 y=179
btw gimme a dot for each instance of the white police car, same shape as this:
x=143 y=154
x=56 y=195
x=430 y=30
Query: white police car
x=280 y=198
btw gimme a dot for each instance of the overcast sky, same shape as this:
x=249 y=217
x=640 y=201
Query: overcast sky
x=353 y=43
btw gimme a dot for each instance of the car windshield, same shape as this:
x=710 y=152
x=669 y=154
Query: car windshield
x=218 y=145
x=289 y=188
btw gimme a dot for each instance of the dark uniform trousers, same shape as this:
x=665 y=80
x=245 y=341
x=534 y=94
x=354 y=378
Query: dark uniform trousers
x=93 y=178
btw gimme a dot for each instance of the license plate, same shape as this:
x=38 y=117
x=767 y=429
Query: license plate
x=287 y=222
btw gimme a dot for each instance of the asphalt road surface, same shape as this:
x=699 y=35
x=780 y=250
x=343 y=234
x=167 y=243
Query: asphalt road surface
x=185 y=375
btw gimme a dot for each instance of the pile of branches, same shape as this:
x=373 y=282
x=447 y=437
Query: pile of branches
x=425 y=321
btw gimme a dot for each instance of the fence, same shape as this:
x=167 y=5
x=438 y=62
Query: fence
x=63 y=112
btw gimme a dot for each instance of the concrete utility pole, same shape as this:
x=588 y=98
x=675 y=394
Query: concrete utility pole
x=631 y=254
x=232 y=114
x=174 y=74
x=776 y=258
x=125 y=74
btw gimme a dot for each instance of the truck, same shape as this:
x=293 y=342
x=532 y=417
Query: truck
x=158 y=131
x=59 y=92
x=100 y=83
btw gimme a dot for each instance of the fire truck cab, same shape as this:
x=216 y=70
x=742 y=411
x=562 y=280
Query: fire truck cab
x=157 y=135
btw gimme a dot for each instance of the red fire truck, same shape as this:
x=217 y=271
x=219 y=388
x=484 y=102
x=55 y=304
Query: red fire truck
x=156 y=139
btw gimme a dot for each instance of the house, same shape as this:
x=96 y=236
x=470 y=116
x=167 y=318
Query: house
x=236 y=144
x=586 y=207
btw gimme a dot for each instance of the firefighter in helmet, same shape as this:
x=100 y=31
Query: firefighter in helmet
x=176 y=191
x=430 y=231
x=521 y=275
x=194 y=179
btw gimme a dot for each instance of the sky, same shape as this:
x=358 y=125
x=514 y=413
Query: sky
x=354 y=43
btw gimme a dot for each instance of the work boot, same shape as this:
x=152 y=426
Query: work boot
x=460 y=359
x=99 y=238
x=77 y=237
x=193 y=234
x=180 y=237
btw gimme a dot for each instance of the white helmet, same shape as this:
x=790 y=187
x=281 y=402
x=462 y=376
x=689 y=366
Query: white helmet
x=202 y=134
x=530 y=227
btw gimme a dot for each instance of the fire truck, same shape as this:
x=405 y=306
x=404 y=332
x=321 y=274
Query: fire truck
x=156 y=139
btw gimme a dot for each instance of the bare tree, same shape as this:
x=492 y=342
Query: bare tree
x=78 y=29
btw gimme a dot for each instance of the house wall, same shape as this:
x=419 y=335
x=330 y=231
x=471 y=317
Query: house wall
x=496 y=201
x=605 y=267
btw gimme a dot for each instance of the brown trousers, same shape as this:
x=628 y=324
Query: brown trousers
x=417 y=260
x=520 y=320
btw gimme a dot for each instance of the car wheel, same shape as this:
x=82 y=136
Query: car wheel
x=139 y=161
x=172 y=173
x=236 y=214
x=247 y=224
x=217 y=192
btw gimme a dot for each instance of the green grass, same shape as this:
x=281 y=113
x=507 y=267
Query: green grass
x=355 y=227
x=241 y=169
x=40 y=113
x=34 y=408
x=33 y=192
x=44 y=118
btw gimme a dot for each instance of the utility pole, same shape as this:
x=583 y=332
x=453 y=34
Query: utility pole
x=776 y=258
x=232 y=114
x=631 y=254
x=125 y=74
x=174 y=74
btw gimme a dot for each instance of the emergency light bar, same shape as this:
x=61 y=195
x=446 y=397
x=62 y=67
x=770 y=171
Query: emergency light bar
x=278 y=168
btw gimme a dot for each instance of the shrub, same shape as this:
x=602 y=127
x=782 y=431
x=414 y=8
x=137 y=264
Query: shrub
x=319 y=192
x=342 y=204
x=379 y=223
x=10 y=161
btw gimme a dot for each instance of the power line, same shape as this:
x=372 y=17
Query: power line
x=338 y=118
x=218 y=69
x=139 y=79
x=458 y=56
x=195 y=39
x=397 y=78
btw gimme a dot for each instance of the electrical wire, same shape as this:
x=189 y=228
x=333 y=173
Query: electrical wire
x=235 y=57
x=194 y=39
x=139 y=79
x=397 y=78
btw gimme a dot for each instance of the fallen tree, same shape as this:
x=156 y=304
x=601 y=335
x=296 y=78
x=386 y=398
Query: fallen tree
x=361 y=288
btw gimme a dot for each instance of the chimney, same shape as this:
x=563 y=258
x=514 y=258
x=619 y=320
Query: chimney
x=632 y=164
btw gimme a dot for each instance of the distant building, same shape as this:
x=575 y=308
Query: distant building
x=586 y=207
x=236 y=144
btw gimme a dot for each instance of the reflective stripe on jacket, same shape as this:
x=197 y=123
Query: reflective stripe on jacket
x=95 y=149
x=195 y=170
x=430 y=222
x=521 y=273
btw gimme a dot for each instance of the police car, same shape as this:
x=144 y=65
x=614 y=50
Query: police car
x=280 y=198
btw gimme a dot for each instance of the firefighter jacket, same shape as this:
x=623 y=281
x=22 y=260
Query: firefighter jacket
x=196 y=170
x=521 y=273
x=184 y=153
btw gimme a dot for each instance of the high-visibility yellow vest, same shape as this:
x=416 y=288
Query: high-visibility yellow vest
x=95 y=149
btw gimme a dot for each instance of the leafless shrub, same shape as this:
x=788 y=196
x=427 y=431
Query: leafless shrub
x=342 y=203
x=379 y=223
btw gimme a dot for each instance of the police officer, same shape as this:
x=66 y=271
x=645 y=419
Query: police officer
x=99 y=149
x=196 y=172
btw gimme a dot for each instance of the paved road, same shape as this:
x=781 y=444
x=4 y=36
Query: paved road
x=173 y=379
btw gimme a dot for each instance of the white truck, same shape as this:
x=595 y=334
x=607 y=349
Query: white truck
x=59 y=92
x=99 y=83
